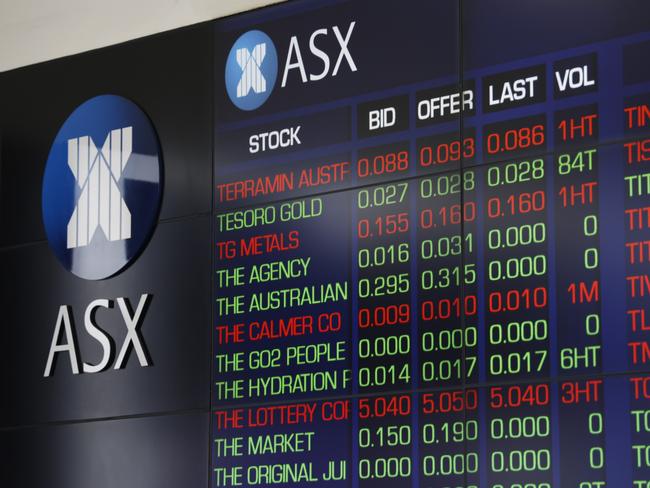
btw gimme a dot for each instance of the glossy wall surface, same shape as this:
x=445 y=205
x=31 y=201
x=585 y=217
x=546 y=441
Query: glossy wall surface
x=123 y=427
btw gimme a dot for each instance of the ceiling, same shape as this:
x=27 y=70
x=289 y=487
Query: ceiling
x=32 y=31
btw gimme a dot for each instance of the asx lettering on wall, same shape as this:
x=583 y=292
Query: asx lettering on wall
x=64 y=339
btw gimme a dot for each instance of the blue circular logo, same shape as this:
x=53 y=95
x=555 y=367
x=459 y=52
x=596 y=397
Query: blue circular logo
x=251 y=70
x=102 y=187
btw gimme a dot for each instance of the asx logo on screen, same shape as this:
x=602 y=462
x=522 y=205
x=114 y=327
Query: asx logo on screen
x=252 y=64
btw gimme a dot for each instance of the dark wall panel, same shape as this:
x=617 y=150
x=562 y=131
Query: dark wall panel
x=175 y=269
x=157 y=452
x=169 y=76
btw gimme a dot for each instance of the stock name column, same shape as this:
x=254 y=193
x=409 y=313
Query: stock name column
x=636 y=161
x=282 y=348
x=637 y=225
x=287 y=286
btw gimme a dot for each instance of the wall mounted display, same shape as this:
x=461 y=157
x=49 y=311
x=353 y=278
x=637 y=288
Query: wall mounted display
x=431 y=245
x=333 y=243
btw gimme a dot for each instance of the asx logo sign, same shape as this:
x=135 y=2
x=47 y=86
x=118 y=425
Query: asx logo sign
x=252 y=65
x=97 y=173
x=100 y=206
x=100 y=203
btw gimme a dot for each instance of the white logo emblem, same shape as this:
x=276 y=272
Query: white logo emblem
x=251 y=76
x=97 y=173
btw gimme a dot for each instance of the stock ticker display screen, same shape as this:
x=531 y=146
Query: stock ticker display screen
x=432 y=245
